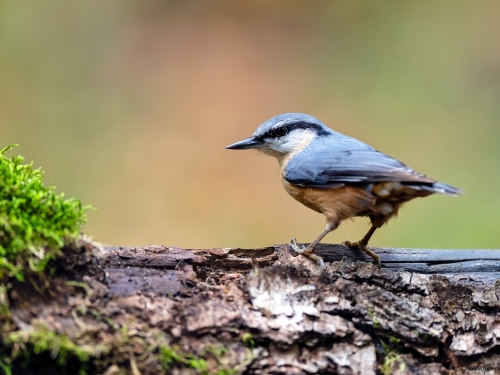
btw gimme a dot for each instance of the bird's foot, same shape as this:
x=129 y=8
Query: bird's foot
x=362 y=246
x=350 y=243
x=297 y=248
x=307 y=252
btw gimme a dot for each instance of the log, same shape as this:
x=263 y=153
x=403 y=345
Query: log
x=269 y=311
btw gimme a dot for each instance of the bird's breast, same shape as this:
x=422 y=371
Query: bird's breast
x=301 y=194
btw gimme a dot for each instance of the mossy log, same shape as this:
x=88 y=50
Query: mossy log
x=158 y=309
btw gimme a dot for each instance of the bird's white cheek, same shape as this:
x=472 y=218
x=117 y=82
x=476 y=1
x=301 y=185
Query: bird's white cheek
x=283 y=147
x=286 y=145
x=294 y=142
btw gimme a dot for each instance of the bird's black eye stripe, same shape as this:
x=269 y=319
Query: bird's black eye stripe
x=277 y=132
x=283 y=130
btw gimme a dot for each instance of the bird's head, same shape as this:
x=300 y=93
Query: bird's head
x=284 y=134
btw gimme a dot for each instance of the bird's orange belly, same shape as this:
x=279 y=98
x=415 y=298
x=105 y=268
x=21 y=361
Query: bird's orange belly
x=336 y=204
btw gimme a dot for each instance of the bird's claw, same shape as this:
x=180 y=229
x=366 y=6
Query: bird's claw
x=316 y=258
x=361 y=246
x=350 y=243
x=305 y=251
x=298 y=249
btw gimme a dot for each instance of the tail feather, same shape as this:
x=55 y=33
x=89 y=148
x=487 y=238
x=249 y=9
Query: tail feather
x=438 y=187
x=447 y=189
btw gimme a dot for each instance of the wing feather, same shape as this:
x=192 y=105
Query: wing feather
x=324 y=167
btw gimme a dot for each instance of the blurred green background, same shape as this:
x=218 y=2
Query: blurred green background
x=128 y=106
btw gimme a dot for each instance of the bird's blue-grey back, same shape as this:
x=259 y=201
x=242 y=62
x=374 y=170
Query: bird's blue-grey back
x=335 y=159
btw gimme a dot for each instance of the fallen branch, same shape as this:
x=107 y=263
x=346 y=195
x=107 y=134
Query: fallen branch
x=259 y=311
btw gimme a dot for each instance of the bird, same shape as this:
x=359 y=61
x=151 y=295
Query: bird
x=338 y=176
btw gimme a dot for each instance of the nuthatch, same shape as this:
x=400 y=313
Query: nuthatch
x=338 y=176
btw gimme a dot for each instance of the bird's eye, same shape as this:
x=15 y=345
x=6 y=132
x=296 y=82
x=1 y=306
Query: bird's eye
x=278 y=132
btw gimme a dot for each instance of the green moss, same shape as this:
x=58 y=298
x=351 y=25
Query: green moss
x=5 y=365
x=374 y=320
x=392 y=360
x=35 y=222
x=170 y=356
x=4 y=301
x=248 y=340
x=392 y=356
x=42 y=339
x=218 y=351
x=39 y=339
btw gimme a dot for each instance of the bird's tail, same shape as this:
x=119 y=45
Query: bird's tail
x=447 y=189
x=438 y=187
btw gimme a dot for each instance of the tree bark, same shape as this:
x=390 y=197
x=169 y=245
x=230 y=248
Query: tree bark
x=269 y=311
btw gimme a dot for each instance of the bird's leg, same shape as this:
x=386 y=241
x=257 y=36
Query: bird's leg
x=362 y=245
x=309 y=250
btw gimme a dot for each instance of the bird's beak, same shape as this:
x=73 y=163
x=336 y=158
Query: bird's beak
x=246 y=144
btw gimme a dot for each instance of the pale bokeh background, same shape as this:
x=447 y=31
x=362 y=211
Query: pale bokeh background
x=128 y=106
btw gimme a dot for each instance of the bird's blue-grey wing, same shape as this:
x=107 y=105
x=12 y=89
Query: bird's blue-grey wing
x=342 y=160
x=353 y=166
x=324 y=166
